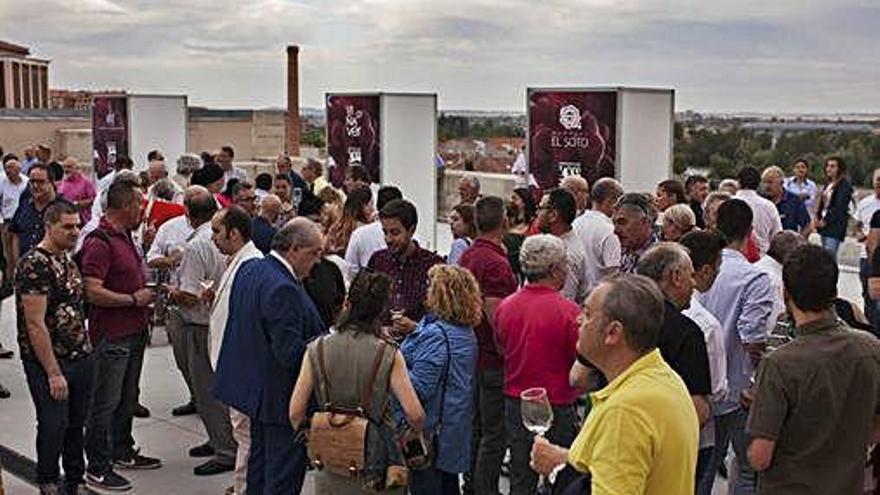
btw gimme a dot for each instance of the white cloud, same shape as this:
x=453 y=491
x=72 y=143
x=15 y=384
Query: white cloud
x=721 y=54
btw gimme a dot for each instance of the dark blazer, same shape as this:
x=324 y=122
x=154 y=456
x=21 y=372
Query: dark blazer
x=837 y=218
x=271 y=320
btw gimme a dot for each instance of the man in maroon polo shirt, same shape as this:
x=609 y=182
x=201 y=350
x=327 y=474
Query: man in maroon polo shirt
x=406 y=263
x=487 y=260
x=113 y=271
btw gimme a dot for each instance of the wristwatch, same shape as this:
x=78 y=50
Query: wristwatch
x=134 y=301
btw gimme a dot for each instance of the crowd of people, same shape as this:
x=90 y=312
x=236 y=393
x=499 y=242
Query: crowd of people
x=662 y=329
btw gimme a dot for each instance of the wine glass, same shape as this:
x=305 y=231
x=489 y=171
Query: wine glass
x=537 y=414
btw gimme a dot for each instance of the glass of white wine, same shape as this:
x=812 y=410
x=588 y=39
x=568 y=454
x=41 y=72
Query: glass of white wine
x=537 y=413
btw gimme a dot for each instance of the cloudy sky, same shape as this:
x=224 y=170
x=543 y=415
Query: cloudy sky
x=720 y=55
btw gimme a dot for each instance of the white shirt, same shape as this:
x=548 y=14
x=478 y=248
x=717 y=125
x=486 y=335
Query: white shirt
x=773 y=268
x=283 y=262
x=171 y=235
x=364 y=241
x=864 y=211
x=102 y=185
x=220 y=309
x=9 y=195
x=595 y=232
x=766 y=222
x=575 y=288
x=234 y=173
x=711 y=328
x=202 y=263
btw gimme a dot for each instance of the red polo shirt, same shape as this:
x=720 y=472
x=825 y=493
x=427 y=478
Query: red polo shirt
x=488 y=262
x=120 y=264
x=537 y=330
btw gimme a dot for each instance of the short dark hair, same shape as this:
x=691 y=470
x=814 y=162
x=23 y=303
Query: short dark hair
x=387 y=194
x=122 y=194
x=693 y=180
x=810 y=277
x=240 y=185
x=802 y=160
x=704 y=247
x=57 y=209
x=228 y=150
x=748 y=177
x=9 y=156
x=201 y=207
x=489 y=213
x=154 y=155
x=235 y=218
x=39 y=166
x=263 y=181
x=604 y=189
x=563 y=202
x=674 y=188
x=734 y=220
x=841 y=165
x=123 y=162
x=402 y=210
x=284 y=177
x=359 y=173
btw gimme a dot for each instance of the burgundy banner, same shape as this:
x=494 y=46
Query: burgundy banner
x=353 y=135
x=109 y=131
x=571 y=133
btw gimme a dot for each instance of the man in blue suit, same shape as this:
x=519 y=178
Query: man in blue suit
x=271 y=320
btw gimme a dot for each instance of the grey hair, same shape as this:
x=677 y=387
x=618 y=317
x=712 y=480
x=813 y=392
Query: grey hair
x=681 y=214
x=773 y=170
x=728 y=184
x=784 y=243
x=298 y=232
x=472 y=180
x=637 y=303
x=606 y=188
x=716 y=197
x=570 y=180
x=164 y=189
x=188 y=163
x=661 y=259
x=539 y=255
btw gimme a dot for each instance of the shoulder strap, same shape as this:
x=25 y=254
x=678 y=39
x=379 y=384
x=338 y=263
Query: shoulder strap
x=367 y=396
x=444 y=379
x=323 y=382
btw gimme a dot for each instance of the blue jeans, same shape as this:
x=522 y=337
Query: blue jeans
x=433 y=482
x=731 y=428
x=703 y=457
x=108 y=428
x=60 y=423
x=831 y=244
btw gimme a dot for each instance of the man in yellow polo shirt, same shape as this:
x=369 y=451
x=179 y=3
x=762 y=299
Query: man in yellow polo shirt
x=642 y=433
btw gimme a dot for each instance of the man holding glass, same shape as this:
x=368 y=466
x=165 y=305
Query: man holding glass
x=642 y=432
x=201 y=266
x=536 y=331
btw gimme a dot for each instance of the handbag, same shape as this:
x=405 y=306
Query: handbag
x=337 y=435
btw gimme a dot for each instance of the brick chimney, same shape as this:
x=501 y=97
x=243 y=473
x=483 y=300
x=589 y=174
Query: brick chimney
x=293 y=122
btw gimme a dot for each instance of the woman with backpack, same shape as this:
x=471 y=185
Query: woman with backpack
x=353 y=374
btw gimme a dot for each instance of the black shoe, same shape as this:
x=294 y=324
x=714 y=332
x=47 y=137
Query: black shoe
x=141 y=412
x=109 y=481
x=6 y=353
x=49 y=489
x=4 y=392
x=203 y=450
x=137 y=461
x=78 y=489
x=184 y=410
x=212 y=467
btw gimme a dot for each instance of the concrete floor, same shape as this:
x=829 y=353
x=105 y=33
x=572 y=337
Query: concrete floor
x=162 y=435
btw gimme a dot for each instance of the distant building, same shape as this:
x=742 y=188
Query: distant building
x=75 y=99
x=24 y=80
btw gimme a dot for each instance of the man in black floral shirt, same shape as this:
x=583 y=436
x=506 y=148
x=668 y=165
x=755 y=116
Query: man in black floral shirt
x=55 y=348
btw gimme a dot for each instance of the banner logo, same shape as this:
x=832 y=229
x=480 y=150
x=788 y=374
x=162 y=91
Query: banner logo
x=570 y=117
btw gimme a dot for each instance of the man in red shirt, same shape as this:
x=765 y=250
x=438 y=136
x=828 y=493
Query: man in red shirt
x=487 y=260
x=537 y=331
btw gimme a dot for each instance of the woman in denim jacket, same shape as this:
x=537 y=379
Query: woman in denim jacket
x=441 y=357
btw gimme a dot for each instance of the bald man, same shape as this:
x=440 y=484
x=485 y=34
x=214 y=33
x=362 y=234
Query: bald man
x=580 y=189
x=263 y=226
